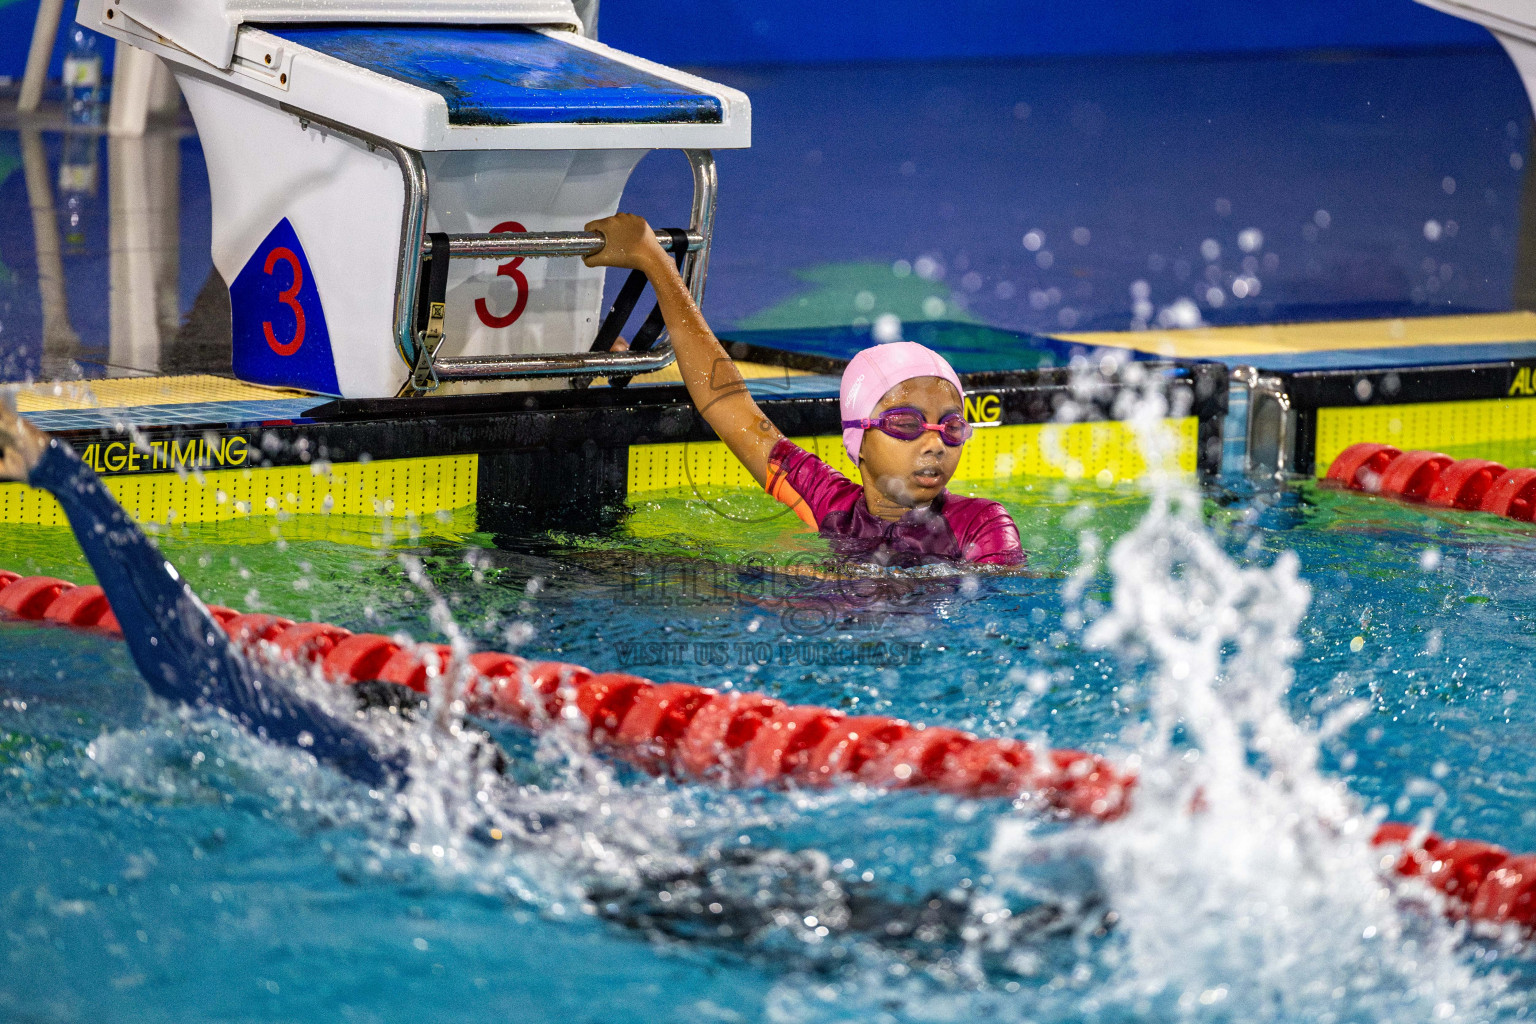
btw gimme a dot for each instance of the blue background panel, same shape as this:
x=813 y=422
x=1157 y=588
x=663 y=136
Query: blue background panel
x=713 y=32
x=927 y=185
x=804 y=31
x=496 y=76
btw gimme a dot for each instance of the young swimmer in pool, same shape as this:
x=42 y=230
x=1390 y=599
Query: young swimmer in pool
x=903 y=413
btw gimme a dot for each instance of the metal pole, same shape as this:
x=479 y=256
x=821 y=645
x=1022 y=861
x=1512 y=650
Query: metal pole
x=44 y=30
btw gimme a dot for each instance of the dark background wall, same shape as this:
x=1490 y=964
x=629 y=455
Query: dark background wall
x=802 y=31
x=722 y=32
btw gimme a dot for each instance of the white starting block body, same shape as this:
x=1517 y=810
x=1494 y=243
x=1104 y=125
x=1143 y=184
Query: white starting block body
x=335 y=144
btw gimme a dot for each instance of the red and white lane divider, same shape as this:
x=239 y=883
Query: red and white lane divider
x=1432 y=478
x=749 y=739
x=690 y=732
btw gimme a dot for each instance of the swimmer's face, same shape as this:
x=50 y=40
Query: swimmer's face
x=912 y=473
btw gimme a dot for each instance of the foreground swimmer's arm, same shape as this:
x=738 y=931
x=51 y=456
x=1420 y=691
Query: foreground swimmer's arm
x=713 y=382
x=181 y=651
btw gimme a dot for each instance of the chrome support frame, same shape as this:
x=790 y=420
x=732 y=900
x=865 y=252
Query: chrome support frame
x=413 y=224
x=1271 y=429
x=427 y=370
x=706 y=194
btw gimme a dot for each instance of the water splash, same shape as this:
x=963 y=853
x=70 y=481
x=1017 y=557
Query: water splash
x=1242 y=880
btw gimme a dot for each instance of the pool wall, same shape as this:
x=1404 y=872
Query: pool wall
x=571 y=459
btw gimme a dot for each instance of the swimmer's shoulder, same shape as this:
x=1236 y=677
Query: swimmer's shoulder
x=974 y=513
x=985 y=530
x=796 y=475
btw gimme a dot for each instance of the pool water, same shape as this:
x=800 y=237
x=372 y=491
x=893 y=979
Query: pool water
x=161 y=868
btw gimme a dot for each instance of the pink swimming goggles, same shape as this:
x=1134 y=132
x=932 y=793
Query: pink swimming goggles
x=905 y=423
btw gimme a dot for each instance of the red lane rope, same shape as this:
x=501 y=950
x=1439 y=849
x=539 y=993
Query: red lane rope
x=676 y=729
x=1431 y=478
x=1482 y=882
x=749 y=739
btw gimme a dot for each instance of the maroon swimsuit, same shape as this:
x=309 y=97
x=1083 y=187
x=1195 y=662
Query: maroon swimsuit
x=948 y=529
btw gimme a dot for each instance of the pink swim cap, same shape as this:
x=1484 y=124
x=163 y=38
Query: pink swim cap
x=876 y=370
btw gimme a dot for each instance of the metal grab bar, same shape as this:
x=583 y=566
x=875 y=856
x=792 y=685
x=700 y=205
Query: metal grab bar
x=562 y=364
x=539 y=244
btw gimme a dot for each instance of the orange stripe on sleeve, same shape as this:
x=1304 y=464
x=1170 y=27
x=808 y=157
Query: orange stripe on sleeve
x=778 y=487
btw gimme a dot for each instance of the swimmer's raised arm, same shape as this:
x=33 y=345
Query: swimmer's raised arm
x=713 y=382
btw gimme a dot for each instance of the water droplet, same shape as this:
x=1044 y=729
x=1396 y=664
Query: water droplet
x=1181 y=313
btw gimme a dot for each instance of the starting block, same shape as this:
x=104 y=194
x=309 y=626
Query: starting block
x=353 y=143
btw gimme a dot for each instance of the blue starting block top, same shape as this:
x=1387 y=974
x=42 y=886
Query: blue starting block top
x=506 y=75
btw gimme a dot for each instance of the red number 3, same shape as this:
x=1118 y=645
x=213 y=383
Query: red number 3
x=288 y=297
x=507 y=269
